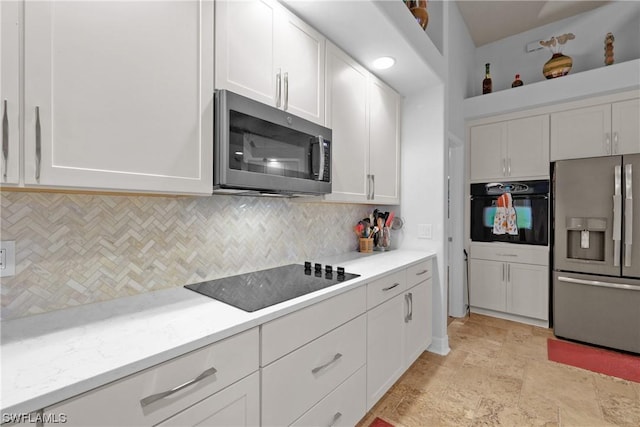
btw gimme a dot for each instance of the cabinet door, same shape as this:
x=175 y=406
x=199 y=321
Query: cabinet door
x=418 y=329
x=237 y=405
x=488 y=284
x=119 y=95
x=245 y=45
x=385 y=344
x=384 y=142
x=488 y=152
x=10 y=91
x=528 y=147
x=348 y=119
x=528 y=290
x=300 y=53
x=625 y=124
x=579 y=133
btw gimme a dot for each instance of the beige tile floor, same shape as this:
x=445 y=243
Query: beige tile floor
x=497 y=373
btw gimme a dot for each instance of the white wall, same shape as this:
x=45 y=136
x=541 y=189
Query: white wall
x=508 y=56
x=423 y=192
x=460 y=52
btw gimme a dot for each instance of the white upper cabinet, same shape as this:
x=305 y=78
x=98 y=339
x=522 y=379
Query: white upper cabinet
x=10 y=91
x=266 y=53
x=510 y=149
x=347 y=116
x=625 y=124
x=364 y=115
x=384 y=139
x=119 y=95
x=600 y=130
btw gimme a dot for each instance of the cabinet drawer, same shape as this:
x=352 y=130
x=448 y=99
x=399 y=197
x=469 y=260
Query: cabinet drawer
x=344 y=406
x=233 y=359
x=283 y=335
x=237 y=405
x=387 y=287
x=419 y=273
x=296 y=382
x=513 y=253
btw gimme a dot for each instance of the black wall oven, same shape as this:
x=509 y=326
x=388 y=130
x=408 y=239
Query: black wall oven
x=512 y=212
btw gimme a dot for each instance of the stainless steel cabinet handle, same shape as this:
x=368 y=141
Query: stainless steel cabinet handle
x=286 y=91
x=320 y=368
x=607 y=143
x=504 y=166
x=158 y=396
x=395 y=285
x=335 y=419
x=504 y=266
x=422 y=272
x=598 y=283
x=509 y=255
x=406 y=301
x=509 y=167
x=38 y=144
x=5 y=140
x=278 y=88
x=628 y=214
x=373 y=187
x=615 y=143
x=410 y=315
x=508 y=272
x=368 y=187
x=617 y=214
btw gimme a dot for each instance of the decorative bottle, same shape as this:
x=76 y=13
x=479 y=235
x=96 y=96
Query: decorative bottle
x=486 y=83
x=517 y=82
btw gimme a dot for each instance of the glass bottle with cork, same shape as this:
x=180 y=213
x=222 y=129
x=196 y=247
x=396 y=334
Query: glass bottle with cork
x=486 y=83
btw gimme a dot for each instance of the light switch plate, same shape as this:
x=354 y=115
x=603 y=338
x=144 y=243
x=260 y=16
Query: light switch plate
x=424 y=231
x=7 y=258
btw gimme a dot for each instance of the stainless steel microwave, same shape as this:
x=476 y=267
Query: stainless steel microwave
x=260 y=149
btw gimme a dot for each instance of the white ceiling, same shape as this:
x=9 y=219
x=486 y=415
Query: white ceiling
x=489 y=21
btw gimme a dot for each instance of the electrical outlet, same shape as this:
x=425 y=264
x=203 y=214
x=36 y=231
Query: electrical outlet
x=424 y=231
x=7 y=258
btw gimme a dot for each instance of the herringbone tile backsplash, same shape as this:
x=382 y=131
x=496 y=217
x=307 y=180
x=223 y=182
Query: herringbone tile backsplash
x=76 y=249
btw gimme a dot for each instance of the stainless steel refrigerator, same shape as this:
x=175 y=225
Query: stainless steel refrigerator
x=596 y=251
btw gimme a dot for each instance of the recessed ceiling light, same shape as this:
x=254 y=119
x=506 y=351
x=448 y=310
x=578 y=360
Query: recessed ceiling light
x=384 y=62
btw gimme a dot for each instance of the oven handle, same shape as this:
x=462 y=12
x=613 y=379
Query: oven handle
x=598 y=283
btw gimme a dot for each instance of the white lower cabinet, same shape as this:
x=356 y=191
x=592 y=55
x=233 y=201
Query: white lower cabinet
x=510 y=281
x=385 y=340
x=398 y=331
x=236 y=406
x=296 y=382
x=158 y=393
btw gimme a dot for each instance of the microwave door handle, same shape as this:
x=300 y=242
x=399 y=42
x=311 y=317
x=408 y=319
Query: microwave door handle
x=628 y=214
x=321 y=151
x=617 y=215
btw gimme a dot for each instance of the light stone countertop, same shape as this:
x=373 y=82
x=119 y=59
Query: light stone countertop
x=51 y=357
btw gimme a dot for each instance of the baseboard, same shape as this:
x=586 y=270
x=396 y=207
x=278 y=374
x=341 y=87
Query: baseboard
x=512 y=317
x=439 y=345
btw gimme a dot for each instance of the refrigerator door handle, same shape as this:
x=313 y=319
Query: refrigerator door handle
x=617 y=215
x=598 y=283
x=628 y=214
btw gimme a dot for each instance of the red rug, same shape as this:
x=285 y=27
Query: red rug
x=379 y=422
x=621 y=365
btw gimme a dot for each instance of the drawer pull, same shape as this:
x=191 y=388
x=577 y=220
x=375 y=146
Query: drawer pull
x=320 y=368
x=335 y=419
x=158 y=396
x=422 y=272
x=511 y=255
x=395 y=285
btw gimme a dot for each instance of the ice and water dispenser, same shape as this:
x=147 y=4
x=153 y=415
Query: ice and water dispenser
x=586 y=238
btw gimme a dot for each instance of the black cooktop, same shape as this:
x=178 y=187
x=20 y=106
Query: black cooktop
x=259 y=289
